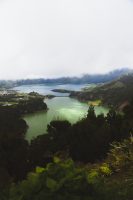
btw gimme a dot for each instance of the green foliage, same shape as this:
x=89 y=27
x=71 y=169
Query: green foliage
x=105 y=170
x=58 y=181
x=88 y=140
x=121 y=155
x=13 y=146
x=32 y=104
x=63 y=179
x=120 y=160
x=115 y=93
x=91 y=112
x=59 y=178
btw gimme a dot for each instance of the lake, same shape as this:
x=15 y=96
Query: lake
x=59 y=108
x=46 y=89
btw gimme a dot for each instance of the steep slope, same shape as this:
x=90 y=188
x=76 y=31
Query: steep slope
x=117 y=93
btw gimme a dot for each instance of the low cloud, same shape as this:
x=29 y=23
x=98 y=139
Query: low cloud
x=64 y=37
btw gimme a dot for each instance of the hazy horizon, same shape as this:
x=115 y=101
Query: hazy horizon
x=71 y=76
x=51 y=39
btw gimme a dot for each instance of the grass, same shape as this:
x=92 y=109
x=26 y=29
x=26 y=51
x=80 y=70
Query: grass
x=97 y=102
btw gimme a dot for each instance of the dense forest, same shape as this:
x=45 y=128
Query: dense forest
x=89 y=160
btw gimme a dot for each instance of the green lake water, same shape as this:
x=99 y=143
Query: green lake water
x=59 y=107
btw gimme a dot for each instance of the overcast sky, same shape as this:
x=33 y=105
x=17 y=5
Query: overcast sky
x=50 y=38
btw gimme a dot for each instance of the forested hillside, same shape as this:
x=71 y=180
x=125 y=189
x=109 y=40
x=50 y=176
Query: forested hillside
x=90 y=160
x=117 y=93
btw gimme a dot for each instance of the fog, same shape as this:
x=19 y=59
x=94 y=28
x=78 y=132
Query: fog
x=52 y=38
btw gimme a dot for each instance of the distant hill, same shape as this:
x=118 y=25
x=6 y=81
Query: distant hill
x=117 y=93
x=87 y=78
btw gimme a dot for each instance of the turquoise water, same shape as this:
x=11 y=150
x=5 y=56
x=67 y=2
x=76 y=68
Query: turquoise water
x=59 y=108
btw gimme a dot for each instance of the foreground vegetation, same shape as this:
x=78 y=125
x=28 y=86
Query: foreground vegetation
x=90 y=160
x=62 y=179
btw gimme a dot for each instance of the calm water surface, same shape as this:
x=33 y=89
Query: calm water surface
x=59 y=108
x=45 y=89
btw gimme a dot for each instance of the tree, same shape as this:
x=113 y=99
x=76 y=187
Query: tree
x=91 y=113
